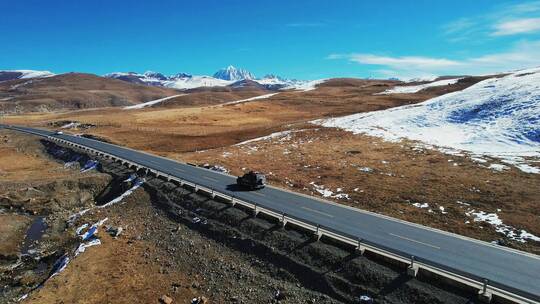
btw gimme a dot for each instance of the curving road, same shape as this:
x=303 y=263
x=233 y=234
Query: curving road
x=504 y=268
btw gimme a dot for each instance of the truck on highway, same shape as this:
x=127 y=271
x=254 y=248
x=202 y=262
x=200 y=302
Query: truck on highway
x=252 y=180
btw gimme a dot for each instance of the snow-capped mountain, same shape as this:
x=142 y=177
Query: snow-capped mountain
x=23 y=74
x=498 y=117
x=230 y=76
x=233 y=74
x=148 y=78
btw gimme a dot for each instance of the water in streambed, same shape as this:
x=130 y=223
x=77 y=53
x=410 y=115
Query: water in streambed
x=33 y=235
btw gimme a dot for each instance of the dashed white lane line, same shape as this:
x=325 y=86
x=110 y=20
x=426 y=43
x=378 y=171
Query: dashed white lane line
x=258 y=193
x=210 y=178
x=317 y=211
x=415 y=241
x=179 y=170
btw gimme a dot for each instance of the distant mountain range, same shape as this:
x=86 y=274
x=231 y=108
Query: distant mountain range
x=23 y=74
x=229 y=76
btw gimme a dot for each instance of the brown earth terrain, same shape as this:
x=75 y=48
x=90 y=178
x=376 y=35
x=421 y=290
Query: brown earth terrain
x=228 y=257
x=204 y=134
x=356 y=170
x=174 y=127
x=73 y=91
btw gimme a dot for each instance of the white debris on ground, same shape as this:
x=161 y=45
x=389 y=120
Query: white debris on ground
x=421 y=205
x=365 y=169
x=497 y=117
x=89 y=165
x=282 y=135
x=327 y=193
x=72 y=218
x=417 y=88
x=510 y=232
x=151 y=103
x=498 y=167
x=138 y=182
x=71 y=125
x=249 y=99
x=82 y=247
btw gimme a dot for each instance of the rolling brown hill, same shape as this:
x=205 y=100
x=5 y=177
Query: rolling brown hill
x=73 y=91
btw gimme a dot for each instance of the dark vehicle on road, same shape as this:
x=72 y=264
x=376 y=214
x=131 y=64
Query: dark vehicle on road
x=251 y=180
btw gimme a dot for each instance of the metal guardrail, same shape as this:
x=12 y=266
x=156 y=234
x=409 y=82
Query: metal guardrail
x=486 y=288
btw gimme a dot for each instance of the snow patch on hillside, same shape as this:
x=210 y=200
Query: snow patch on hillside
x=497 y=117
x=251 y=99
x=185 y=83
x=304 y=86
x=416 y=88
x=151 y=103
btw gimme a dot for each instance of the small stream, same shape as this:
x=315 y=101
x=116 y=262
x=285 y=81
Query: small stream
x=34 y=235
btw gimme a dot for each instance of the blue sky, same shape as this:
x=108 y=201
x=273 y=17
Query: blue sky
x=295 y=39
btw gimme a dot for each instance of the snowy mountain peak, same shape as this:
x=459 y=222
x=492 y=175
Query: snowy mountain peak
x=23 y=74
x=232 y=73
x=155 y=75
x=180 y=75
x=272 y=76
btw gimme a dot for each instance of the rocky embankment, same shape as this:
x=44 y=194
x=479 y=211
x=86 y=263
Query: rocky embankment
x=178 y=245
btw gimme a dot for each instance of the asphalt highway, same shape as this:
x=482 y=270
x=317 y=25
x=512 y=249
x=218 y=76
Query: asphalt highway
x=514 y=270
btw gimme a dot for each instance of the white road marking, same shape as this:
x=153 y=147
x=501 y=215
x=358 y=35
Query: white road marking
x=408 y=239
x=210 y=178
x=258 y=193
x=317 y=211
x=179 y=170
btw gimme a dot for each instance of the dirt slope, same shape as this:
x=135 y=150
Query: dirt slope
x=73 y=91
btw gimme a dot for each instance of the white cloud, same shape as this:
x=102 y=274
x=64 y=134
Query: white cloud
x=459 y=26
x=504 y=19
x=413 y=62
x=519 y=26
x=525 y=54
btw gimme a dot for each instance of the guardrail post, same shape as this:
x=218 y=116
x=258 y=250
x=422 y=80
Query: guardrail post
x=483 y=294
x=213 y=194
x=412 y=270
x=283 y=220
x=232 y=201
x=196 y=188
x=360 y=248
x=317 y=235
x=255 y=210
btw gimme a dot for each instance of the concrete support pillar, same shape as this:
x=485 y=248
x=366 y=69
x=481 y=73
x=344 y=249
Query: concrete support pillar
x=360 y=248
x=483 y=294
x=283 y=221
x=255 y=211
x=317 y=234
x=412 y=270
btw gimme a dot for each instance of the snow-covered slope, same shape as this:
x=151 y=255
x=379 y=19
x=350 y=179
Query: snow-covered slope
x=303 y=85
x=234 y=74
x=151 y=103
x=498 y=117
x=23 y=74
x=192 y=82
x=417 y=88
x=250 y=99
